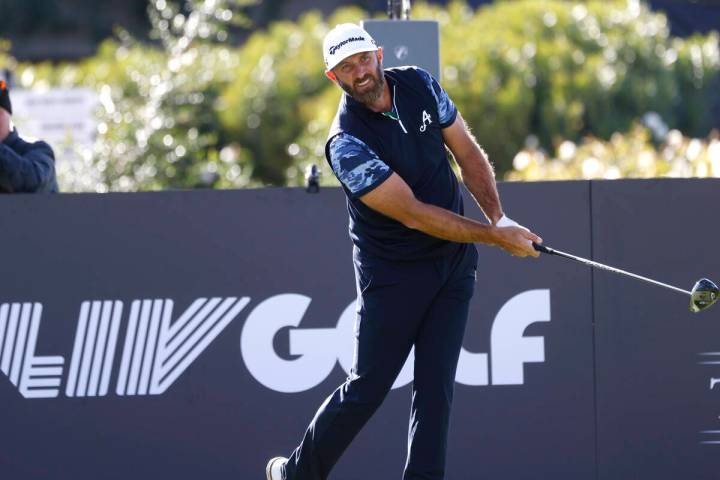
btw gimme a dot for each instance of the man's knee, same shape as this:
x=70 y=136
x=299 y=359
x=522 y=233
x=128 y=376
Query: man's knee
x=366 y=391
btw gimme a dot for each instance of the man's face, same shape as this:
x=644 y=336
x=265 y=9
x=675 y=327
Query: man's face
x=361 y=76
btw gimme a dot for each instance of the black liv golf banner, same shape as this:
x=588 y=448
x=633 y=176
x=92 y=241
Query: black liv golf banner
x=187 y=335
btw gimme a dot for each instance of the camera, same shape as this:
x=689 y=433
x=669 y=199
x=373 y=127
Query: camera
x=312 y=179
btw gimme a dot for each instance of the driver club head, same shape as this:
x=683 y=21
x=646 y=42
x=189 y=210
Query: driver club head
x=703 y=295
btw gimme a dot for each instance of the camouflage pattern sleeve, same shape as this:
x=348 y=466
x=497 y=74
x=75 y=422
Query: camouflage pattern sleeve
x=356 y=166
x=446 y=108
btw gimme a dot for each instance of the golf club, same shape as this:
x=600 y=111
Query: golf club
x=703 y=294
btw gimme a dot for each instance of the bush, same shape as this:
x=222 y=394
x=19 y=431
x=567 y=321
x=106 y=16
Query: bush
x=563 y=70
x=157 y=121
x=629 y=155
x=278 y=93
x=198 y=113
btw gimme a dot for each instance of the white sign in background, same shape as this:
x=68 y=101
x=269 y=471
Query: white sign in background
x=64 y=118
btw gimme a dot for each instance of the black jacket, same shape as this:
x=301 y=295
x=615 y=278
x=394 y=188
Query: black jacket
x=26 y=166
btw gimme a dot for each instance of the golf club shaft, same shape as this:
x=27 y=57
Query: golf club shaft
x=552 y=251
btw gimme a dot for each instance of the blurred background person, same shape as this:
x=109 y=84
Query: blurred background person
x=25 y=166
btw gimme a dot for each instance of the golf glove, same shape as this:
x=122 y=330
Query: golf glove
x=506 y=221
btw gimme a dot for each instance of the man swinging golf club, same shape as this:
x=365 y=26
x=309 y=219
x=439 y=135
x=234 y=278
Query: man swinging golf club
x=413 y=251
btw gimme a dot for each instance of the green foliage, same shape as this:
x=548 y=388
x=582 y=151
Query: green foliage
x=277 y=93
x=197 y=113
x=629 y=155
x=157 y=121
x=565 y=69
x=562 y=70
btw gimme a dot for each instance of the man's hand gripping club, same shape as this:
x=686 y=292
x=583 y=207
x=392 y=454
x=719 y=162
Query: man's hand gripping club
x=519 y=239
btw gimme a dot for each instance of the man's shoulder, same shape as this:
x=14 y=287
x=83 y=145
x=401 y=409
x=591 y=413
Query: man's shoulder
x=345 y=144
x=403 y=69
x=413 y=77
x=412 y=71
x=25 y=143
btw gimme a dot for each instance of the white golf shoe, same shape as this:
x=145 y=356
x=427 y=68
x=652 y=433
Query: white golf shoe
x=273 y=470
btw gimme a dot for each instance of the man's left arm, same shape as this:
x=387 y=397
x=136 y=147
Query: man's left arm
x=475 y=168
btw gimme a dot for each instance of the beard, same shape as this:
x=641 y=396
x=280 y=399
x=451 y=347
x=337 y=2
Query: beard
x=372 y=92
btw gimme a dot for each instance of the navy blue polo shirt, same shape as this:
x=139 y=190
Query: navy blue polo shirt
x=364 y=148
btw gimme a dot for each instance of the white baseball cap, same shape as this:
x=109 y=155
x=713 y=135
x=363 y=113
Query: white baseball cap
x=344 y=40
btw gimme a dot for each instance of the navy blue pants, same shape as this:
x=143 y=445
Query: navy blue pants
x=400 y=305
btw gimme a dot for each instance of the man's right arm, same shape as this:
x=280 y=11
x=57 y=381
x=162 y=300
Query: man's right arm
x=394 y=198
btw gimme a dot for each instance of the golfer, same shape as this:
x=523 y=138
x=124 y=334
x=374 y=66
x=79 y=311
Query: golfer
x=413 y=251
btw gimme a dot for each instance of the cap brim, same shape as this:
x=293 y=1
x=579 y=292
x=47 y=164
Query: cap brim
x=349 y=54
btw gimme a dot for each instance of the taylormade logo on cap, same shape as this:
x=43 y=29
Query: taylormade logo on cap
x=345 y=40
x=334 y=48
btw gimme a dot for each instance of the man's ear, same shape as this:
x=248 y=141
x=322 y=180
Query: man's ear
x=380 y=55
x=329 y=74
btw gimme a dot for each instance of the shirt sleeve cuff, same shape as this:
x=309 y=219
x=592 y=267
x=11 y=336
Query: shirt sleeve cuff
x=450 y=121
x=372 y=187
